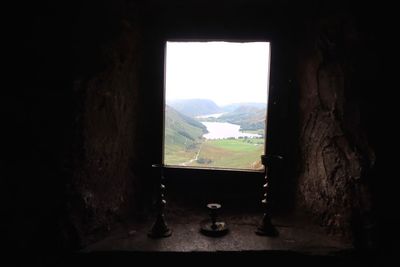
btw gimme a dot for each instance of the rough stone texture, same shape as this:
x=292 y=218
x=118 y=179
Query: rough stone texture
x=335 y=157
x=103 y=183
x=72 y=126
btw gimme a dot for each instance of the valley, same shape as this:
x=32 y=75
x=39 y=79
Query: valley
x=196 y=137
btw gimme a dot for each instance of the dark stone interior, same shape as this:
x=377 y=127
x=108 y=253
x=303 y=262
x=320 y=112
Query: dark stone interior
x=88 y=95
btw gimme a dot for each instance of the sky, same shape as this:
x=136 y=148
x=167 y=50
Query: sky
x=224 y=72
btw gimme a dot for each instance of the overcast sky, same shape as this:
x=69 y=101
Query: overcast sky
x=221 y=71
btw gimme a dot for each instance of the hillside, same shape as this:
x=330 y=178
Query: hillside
x=194 y=107
x=182 y=136
x=234 y=106
x=248 y=117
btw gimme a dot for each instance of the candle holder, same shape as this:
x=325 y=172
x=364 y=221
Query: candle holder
x=266 y=228
x=160 y=228
x=213 y=227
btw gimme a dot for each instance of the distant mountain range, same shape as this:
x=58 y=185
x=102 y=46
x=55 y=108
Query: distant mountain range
x=195 y=107
x=249 y=115
x=233 y=107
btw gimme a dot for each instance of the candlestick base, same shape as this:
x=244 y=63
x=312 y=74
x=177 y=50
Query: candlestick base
x=213 y=227
x=266 y=228
x=214 y=230
x=160 y=228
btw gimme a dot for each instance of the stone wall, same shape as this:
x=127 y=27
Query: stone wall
x=336 y=159
x=102 y=188
x=67 y=174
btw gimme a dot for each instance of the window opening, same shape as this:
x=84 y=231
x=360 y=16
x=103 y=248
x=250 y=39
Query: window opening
x=216 y=96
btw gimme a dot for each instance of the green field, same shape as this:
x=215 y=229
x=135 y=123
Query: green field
x=175 y=155
x=221 y=153
x=231 y=153
x=259 y=131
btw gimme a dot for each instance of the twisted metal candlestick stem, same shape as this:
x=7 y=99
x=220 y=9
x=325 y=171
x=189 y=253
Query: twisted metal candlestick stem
x=160 y=228
x=266 y=228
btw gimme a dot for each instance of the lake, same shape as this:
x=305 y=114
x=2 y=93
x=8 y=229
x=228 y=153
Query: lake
x=217 y=130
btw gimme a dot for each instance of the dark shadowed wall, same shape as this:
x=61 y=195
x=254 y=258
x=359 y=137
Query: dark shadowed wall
x=338 y=69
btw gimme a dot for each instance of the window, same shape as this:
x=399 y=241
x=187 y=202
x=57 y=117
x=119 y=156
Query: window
x=216 y=97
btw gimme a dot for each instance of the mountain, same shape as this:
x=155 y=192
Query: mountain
x=194 y=107
x=180 y=130
x=234 y=106
x=248 y=117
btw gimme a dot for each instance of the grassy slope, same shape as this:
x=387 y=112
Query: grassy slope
x=182 y=137
x=232 y=153
x=249 y=118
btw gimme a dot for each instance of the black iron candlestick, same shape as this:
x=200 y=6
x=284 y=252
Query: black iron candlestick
x=266 y=228
x=160 y=228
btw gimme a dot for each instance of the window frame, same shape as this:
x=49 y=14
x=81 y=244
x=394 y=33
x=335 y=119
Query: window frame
x=194 y=171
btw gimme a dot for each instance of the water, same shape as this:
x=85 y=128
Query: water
x=218 y=130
